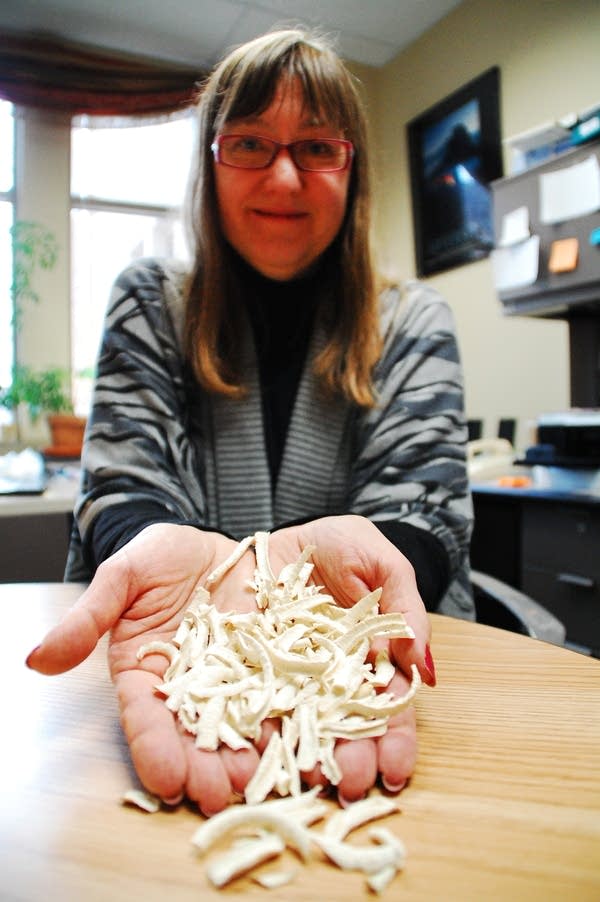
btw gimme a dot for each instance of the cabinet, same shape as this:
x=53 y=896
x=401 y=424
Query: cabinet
x=35 y=532
x=33 y=547
x=549 y=548
x=561 y=565
x=574 y=295
x=547 y=543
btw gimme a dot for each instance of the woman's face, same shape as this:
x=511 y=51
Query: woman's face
x=281 y=219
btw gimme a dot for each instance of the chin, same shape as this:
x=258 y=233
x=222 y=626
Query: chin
x=279 y=273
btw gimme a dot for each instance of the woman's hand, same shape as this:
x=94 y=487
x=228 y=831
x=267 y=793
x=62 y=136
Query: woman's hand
x=351 y=558
x=140 y=594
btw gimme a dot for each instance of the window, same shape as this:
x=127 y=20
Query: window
x=7 y=176
x=127 y=187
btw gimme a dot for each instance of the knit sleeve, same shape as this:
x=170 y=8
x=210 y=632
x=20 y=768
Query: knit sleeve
x=410 y=462
x=139 y=447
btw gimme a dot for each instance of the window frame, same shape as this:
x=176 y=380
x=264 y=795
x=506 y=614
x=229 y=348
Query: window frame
x=168 y=213
x=10 y=197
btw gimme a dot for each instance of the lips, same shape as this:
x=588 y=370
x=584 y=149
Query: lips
x=290 y=215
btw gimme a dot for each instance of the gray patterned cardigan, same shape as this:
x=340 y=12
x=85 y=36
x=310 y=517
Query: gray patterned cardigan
x=203 y=457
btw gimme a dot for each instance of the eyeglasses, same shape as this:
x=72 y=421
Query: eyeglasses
x=256 y=152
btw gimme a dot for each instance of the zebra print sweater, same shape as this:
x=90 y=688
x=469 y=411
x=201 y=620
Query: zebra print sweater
x=154 y=436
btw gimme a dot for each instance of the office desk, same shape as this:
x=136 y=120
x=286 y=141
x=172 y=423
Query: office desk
x=504 y=803
x=35 y=530
x=544 y=539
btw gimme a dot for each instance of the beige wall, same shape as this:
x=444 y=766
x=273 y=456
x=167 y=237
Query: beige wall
x=548 y=52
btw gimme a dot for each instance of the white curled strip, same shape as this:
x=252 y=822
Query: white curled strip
x=270 y=826
x=347 y=819
x=298 y=657
x=247 y=816
x=142 y=799
x=244 y=857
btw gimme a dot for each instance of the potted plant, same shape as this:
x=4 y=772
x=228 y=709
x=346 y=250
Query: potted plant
x=41 y=397
x=38 y=396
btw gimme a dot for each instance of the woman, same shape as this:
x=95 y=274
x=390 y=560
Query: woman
x=276 y=387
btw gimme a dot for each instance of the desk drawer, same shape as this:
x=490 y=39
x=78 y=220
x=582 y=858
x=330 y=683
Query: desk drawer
x=33 y=548
x=577 y=606
x=562 y=539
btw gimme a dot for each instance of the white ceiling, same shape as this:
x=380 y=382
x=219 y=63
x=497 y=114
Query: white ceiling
x=198 y=32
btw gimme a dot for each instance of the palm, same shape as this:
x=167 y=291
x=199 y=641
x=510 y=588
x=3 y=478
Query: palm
x=347 y=569
x=167 y=564
x=141 y=593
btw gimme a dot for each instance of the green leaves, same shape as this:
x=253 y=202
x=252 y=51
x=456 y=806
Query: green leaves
x=33 y=246
x=46 y=390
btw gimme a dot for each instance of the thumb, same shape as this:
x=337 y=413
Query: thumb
x=71 y=641
x=400 y=594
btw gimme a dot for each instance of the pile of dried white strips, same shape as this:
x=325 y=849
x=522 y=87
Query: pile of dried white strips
x=299 y=658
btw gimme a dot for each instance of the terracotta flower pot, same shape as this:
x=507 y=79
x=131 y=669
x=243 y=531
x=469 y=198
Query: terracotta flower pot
x=67 y=433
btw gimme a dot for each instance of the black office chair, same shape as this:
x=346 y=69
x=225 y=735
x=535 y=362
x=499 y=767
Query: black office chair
x=501 y=605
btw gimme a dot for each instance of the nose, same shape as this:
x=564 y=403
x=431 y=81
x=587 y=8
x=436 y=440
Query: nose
x=283 y=170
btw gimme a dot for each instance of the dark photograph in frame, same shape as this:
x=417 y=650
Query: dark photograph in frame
x=455 y=152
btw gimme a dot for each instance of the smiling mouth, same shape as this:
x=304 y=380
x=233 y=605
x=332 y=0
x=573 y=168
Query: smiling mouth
x=280 y=214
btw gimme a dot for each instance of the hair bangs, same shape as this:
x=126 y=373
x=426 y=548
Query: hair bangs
x=248 y=88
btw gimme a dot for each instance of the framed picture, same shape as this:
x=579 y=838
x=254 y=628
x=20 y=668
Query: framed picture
x=455 y=152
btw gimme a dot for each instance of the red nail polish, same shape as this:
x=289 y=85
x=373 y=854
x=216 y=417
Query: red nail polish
x=429 y=665
x=30 y=656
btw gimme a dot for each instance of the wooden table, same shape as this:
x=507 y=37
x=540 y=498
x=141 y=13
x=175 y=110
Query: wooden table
x=504 y=803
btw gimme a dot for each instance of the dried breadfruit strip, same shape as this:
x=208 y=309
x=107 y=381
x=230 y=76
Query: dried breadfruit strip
x=142 y=799
x=247 y=817
x=237 y=554
x=241 y=859
x=368 y=859
x=344 y=821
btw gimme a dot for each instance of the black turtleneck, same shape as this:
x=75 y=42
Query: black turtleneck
x=282 y=316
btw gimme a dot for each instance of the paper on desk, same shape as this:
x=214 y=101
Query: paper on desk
x=517 y=265
x=22 y=472
x=515 y=227
x=570 y=192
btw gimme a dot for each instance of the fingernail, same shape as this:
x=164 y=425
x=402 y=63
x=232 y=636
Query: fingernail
x=345 y=803
x=174 y=800
x=393 y=787
x=30 y=656
x=429 y=665
x=324 y=791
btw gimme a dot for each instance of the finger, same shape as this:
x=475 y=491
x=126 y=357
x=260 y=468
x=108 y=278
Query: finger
x=357 y=759
x=208 y=783
x=397 y=748
x=155 y=743
x=268 y=727
x=315 y=777
x=79 y=631
x=240 y=766
x=402 y=596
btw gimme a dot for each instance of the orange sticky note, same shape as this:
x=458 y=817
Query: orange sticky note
x=564 y=255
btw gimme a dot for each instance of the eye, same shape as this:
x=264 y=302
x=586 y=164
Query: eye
x=327 y=150
x=247 y=144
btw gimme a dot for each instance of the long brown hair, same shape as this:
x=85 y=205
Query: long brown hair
x=244 y=84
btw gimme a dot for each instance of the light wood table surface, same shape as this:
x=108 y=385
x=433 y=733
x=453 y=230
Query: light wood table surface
x=504 y=803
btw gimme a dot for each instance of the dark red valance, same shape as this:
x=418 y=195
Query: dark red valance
x=50 y=73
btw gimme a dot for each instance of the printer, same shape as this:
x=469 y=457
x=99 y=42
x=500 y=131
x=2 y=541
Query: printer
x=569 y=439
